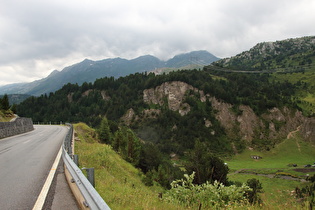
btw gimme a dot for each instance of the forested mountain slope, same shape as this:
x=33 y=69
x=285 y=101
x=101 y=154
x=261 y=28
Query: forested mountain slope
x=227 y=111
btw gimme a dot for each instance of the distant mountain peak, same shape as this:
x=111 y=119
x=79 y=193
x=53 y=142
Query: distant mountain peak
x=201 y=57
x=54 y=72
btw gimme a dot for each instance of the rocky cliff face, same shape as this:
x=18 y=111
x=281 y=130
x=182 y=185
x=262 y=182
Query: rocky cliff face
x=245 y=124
x=308 y=129
x=172 y=93
x=274 y=124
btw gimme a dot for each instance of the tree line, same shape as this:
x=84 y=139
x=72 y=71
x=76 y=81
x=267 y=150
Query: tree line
x=71 y=103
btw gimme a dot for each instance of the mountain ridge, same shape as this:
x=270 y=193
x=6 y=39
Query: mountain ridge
x=89 y=70
x=289 y=55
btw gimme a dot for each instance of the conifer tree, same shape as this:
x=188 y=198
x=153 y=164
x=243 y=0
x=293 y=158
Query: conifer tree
x=133 y=147
x=5 y=102
x=13 y=108
x=206 y=166
x=104 y=131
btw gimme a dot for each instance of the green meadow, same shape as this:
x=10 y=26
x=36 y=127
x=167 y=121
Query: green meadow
x=275 y=171
x=290 y=151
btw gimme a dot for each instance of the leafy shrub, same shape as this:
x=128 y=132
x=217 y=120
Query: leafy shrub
x=216 y=195
x=307 y=193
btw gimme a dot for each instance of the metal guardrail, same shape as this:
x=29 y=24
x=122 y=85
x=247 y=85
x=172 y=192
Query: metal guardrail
x=92 y=199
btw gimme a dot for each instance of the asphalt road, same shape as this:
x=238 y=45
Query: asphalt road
x=25 y=161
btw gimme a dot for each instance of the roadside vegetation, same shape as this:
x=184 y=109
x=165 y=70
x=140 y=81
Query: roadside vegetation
x=123 y=186
x=117 y=181
x=6 y=112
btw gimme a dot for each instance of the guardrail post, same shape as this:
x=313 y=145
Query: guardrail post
x=76 y=159
x=90 y=175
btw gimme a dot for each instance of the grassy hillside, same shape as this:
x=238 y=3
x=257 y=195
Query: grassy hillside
x=305 y=97
x=116 y=180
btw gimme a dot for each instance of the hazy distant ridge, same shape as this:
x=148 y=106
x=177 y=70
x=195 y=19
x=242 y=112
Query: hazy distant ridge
x=89 y=71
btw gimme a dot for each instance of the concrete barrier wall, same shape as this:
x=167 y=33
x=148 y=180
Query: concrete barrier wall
x=18 y=126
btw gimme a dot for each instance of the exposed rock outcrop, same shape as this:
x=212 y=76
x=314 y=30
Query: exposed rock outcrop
x=274 y=124
x=131 y=116
x=308 y=129
x=172 y=93
x=128 y=117
x=245 y=124
x=105 y=96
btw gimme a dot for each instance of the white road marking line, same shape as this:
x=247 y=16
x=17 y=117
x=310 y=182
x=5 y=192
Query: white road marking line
x=43 y=194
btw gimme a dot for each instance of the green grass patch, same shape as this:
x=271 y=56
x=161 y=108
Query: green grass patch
x=308 y=77
x=277 y=192
x=215 y=77
x=6 y=116
x=310 y=98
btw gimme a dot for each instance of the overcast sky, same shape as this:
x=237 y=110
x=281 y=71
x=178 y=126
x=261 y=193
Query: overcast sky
x=39 y=36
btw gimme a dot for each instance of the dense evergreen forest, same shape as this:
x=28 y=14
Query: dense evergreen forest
x=124 y=93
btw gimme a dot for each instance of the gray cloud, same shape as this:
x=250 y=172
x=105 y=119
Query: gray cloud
x=40 y=36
